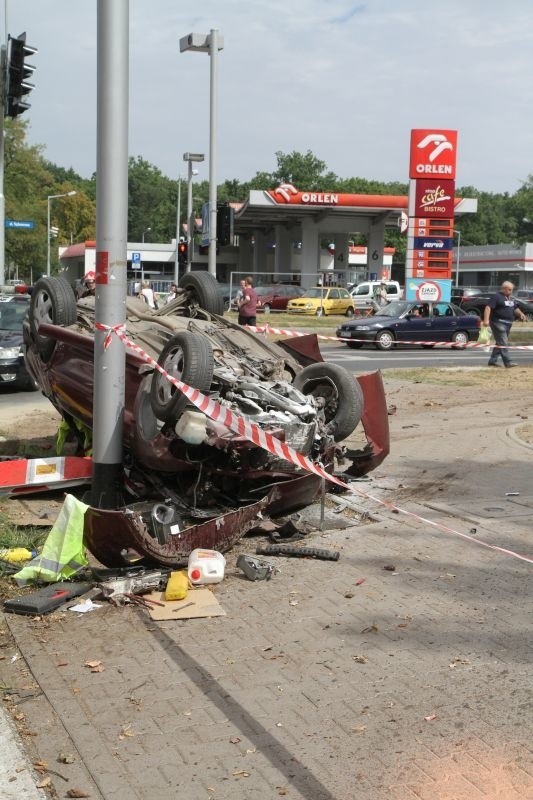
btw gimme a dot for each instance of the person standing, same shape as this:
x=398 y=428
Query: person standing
x=173 y=293
x=381 y=295
x=247 y=304
x=147 y=294
x=90 y=285
x=499 y=314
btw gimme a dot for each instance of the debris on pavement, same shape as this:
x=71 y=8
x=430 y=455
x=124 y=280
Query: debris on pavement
x=298 y=552
x=255 y=569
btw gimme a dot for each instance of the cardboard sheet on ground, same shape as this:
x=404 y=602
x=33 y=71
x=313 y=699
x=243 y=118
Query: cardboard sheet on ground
x=198 y=603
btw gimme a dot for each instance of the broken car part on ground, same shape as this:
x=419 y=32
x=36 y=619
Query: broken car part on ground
x=193 y=482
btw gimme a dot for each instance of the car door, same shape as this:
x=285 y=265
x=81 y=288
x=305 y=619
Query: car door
x=443 y=322
x=416 y=328
x=334 y=304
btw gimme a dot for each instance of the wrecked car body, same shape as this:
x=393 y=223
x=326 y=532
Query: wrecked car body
x=215 y=481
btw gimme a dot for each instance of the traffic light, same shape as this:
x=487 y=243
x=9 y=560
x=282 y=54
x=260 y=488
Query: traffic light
x=224 y=224
x=182 y=253
x=18 y=71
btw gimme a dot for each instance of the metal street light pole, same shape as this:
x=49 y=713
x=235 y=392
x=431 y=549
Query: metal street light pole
x=178 y=215
x=52 y=197
x=146 y=230
x=209 y=43
x=189 y=158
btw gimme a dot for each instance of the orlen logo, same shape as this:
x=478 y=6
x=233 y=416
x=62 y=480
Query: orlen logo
x=433 y=153
x=285 y=190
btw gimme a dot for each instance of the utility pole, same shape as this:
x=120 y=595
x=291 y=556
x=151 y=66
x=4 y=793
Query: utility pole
x=111 y=250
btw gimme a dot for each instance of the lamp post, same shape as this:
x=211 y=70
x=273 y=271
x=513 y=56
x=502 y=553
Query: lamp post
x=190 y=158
x=458 y=257
x=52 y=197
x=178 y=215
x=209 y=43
x=146 y=230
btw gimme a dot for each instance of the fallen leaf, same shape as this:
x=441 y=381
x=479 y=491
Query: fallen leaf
x=371 y=629
x=40 y=764
x=20 y=716
x=44 y=783
x=293 y=602
x=125 y=731
x=430 y=717
x=281 y=790
x=359 y=729
x=241 y=772
x=77 y=793
x=66 y=758
x=92 y=664
x=62 y=664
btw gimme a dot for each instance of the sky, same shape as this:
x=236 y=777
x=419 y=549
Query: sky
x=346 y=80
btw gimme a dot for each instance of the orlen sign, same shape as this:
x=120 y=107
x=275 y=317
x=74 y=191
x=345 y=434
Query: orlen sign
x=433 y=153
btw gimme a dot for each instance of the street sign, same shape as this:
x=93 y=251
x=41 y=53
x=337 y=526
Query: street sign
x=135 y=258
x=20 y=224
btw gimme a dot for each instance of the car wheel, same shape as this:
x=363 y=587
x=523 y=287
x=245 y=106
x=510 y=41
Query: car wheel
x=473 y=312
x=355 y=345
x=384 y=340
x=266 y=308
x=52 y=301
x=349 y=312
x=320 y=312
x=29 y=385
x=188 y=357
x=460 y=338
x=202 y=291
x=529 y=317
x=341 y=392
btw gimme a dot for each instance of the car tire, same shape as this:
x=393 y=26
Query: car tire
x=52 y=301
x=355 y=345
x=342 y=393
x=349 y=312
x=320 y=312
x=460 y=338
x=202 y=290
x=384 y=340
x=266 y=308
x=188 y=357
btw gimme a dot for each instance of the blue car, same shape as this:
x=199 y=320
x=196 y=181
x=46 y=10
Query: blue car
x=423 y=323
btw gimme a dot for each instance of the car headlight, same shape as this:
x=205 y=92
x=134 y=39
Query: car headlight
x=362 y=327
x=10 y=352
x=309 y=305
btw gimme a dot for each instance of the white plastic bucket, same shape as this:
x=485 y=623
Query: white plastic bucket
x=206 y=566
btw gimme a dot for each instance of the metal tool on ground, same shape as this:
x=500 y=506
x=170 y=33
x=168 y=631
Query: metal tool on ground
x=298 y=552
x=47 y=599
x=255 y=569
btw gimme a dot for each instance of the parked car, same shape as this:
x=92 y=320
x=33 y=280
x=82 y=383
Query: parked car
x=276 y=298
x=524 y=294
x=321 y=301
x=215 y=480
x=460 y=293
x=413 y=322
x=364 y=293
x=13 y=370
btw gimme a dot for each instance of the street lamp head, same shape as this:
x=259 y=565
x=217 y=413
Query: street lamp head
x=193 y=157
x=71 y=194
x=194 y=172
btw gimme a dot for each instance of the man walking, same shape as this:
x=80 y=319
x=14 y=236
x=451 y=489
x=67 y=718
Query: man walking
x=500 y=313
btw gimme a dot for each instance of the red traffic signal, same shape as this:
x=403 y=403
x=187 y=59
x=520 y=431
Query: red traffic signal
x=182 y=253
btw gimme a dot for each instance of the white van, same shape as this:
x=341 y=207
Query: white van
x=364 y=294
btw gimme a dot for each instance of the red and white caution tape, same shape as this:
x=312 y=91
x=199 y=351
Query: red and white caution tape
x=271 y=444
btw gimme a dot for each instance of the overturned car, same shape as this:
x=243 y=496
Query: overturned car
x=192 y=481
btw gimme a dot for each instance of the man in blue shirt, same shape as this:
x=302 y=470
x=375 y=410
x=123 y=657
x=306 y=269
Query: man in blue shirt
x=500 y=313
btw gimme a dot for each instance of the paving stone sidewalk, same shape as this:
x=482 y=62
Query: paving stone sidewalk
x=401 y=671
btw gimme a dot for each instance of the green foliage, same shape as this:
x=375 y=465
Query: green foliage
x=153 y=198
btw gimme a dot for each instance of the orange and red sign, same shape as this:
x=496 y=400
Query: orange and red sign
x=434 y=198
x=433 y=153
